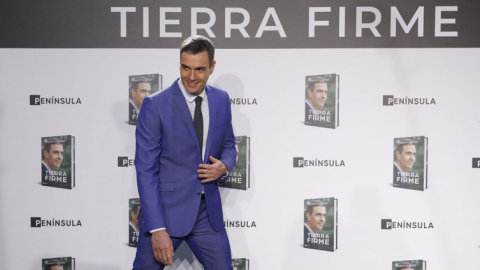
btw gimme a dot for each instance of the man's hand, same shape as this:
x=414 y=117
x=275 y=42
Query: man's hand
x=162 y=247
x=212 y=172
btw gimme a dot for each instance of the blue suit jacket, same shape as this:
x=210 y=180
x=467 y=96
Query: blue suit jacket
x=168 y=155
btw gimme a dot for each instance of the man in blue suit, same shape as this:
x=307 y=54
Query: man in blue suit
x=184 y=146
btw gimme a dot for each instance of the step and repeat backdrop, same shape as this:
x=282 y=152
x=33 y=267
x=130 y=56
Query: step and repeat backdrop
x=357 y=128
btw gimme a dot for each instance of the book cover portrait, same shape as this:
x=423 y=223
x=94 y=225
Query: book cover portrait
x=322 y=100
x=410 y=162
x=409 y=265
x=240 y=264
x=320 y=224
x=61 y=263
x=58 y=161
x=239 y=177
x=139 y=87
x=133 y=214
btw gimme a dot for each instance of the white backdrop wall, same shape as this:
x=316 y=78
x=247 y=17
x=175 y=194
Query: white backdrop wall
x=274 y=80
x=274 y=202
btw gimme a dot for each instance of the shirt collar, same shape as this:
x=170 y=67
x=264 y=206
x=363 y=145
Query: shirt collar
x=188 y=96
x=398 y=167
x=309 y=105
x=46 y=166
x=310 y=230
x=134 y=106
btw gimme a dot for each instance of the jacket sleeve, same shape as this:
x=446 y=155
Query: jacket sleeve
x=147 y=162
x=228 y=152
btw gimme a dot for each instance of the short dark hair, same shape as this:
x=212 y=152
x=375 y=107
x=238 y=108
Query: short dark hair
x=135 y=207
x=313 y=204
x=401 y=143
x=197 y=44
x=50 y=263
x=49 y=142
x=311 y=84
x=139 y=80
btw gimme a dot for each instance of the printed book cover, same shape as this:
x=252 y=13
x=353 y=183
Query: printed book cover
x=410 y=162
x=58 y=161
x=322 y=100
x=139 y=87
x=320 y=228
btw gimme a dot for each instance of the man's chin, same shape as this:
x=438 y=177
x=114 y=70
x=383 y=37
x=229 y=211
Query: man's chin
x=193 y=91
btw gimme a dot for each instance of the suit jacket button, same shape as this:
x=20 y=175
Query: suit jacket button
x=199 y=193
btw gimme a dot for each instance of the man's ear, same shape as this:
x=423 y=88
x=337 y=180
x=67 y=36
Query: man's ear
x=212 y=67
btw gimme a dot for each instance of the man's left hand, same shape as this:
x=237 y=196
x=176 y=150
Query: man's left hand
x=212 y=172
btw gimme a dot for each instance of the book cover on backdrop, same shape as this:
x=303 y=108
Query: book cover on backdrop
x=61 y=263
x=410 y=162
x=409 y=265
x=240 y=264
x=320 y=228
x=239 y=177
x=58 y=161
x=322 y=100
x=139 y=87
x=133 y=229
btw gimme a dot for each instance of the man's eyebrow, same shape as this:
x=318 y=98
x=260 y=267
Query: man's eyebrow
x=198 y=68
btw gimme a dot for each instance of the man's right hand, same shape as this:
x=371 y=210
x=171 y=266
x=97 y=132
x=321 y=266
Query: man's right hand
x=162 y=247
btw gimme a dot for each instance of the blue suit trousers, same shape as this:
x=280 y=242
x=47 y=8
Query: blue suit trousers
x=211 y=248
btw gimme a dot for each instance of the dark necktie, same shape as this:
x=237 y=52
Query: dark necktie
x=198 y=120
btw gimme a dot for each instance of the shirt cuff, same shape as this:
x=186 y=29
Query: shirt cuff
x=159 y=229
x=225 y=175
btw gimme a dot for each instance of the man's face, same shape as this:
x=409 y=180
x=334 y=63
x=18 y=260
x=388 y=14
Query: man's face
x=54 y=158
x=143 y=90
x=316 y=219
x=194 y=71
x=318 y=95
x=56 y=267
x=406 y=158
x=407 y=268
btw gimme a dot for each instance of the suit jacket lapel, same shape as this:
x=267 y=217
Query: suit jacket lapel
x=211 y=109
x=181 y=104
